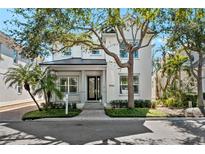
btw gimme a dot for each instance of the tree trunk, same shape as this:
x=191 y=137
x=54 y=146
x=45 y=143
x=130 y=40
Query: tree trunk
x=49 y=97
x=35 y=101
x=199 y=85
x=130 y=82
x=27 y=87
x=157 y=86
x=45 y=97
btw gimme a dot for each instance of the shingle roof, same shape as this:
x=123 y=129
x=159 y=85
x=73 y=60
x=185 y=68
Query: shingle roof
x=76 y=61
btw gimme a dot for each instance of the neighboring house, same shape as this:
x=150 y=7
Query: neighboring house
x=9 y=58
x=94 y=76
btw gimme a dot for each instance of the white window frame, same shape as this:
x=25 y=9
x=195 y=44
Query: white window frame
x=73 y=85
x=68 y=84
x=138 y=84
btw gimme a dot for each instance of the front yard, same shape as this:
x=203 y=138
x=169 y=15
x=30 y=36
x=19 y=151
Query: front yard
x=136 y=112
x=50 y=113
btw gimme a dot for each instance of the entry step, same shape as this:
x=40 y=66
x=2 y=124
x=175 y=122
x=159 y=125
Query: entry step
x=93 y=106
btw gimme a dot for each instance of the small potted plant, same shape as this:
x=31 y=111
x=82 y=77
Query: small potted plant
x=100 y=99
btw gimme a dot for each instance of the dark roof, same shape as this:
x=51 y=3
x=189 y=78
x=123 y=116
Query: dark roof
x=76 y=61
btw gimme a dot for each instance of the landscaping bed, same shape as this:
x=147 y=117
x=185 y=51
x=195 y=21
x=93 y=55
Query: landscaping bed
x=136 y=112
x=50 y=113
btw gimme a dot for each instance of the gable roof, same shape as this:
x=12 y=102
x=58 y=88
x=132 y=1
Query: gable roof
x=76 y=61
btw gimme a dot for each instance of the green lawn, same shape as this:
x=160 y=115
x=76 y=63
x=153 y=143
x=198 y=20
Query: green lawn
x=136 y=112
x=50 y=113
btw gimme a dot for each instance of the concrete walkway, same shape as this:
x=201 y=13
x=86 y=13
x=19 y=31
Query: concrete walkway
x=92 y=111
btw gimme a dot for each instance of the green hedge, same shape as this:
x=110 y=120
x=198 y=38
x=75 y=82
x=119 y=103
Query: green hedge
x=59 y=106
x=138 y=103
x=183 y=103
x=50 y=113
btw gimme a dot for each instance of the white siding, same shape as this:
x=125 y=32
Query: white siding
x=9 y=95
x=142 y=67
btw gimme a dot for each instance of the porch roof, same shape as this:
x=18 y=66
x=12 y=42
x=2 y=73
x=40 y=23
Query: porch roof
x=76 y=61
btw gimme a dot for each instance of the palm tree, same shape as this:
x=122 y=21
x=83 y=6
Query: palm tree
x=47 y=86
x=25 y=75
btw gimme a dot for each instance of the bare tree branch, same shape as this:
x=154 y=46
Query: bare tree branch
x=148 y=43
x=191 y=64
x=122 y=35
x=116 y=31
x=115 y=56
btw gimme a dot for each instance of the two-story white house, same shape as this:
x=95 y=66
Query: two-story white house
x=9 y=58
x=95 y=77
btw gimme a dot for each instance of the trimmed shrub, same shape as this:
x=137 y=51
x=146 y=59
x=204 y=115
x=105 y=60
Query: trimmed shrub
x=138 y=104
x=183 y=103
x=59 y=105
x=189 y=97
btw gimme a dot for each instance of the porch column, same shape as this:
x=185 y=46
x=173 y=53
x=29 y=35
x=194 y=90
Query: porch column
x=104 y=99
x=82 y=94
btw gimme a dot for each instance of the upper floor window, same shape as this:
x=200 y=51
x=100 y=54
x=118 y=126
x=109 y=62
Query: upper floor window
x=124 y=52
x=15 y=57
x=95 y=52
x=68 y=52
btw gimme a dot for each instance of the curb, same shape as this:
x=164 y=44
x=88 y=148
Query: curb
x=119 y=119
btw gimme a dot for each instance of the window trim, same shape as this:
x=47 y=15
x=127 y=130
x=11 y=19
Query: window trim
x=73 y=85
x=135 y=94
x=68 y=84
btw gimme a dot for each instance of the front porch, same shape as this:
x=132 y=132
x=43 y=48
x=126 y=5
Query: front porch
x=80 y=83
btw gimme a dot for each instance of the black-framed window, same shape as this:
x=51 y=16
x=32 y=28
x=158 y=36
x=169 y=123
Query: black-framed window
x=124 y=84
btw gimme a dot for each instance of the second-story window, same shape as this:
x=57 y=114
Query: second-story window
x=68 y=52
x=124 y=52
x=15 y=57
x=95 y=52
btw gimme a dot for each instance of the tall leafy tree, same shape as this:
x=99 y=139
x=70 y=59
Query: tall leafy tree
x=186 y=31
x=43 y=29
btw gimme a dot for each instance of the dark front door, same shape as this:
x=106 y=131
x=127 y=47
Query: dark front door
x=94 y=88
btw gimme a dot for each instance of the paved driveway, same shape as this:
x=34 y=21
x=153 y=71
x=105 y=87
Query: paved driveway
x=15 y=114
x=104 y=132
